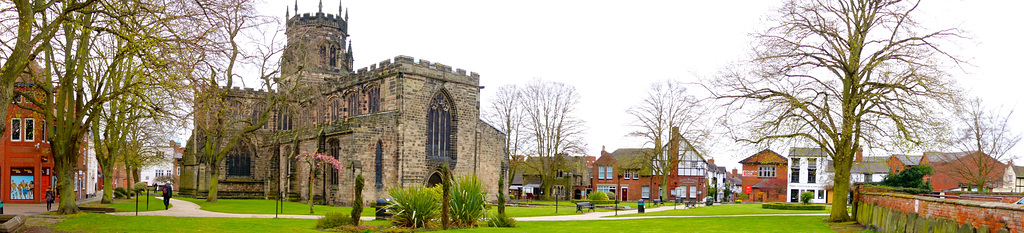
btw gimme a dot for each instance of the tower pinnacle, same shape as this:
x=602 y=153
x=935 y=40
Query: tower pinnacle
x=321 y=6
x=339 y=8
x=286 y=13
x=296 y=7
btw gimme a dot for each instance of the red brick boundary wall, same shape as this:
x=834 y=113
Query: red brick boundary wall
x=897 y=212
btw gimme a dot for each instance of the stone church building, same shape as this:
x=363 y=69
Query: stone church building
x=395 y=122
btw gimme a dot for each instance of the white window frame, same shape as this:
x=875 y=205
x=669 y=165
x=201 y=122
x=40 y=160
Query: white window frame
x=16 y=133
x=645 y=191
x=766 y=171
x=600 y=172
x=609 y=172
x=28 y=132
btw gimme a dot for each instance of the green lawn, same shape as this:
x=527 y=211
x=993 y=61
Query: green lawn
x=259 y=206
x=722 y=224
x=534 y=211
x=110 y=223
x=128 y=205
x=727 y=209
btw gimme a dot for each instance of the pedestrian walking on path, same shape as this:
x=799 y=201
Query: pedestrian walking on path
x=49 y=198
x=167 y=191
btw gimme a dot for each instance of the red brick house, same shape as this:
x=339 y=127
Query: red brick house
x=765 y=176
x=898 y=162
x=27 y=163
x=621 y=173
x=950 y=169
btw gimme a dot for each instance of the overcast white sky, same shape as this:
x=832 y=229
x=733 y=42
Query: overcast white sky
x=612 y=50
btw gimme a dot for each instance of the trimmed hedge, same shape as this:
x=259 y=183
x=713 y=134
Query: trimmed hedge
x=605 y=202
x=791 y=206
x=986 y=193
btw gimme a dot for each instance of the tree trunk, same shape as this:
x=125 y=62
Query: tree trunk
x=108 y=185
x=211 y=196
x=841 y=188
x=66 y=183
x=309 y=187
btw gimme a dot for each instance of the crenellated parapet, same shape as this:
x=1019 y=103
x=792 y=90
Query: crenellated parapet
x=409 y=65
x=319 y=19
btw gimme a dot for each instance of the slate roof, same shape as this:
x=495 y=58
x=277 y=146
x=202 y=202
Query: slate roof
x=909 y=160
x=875 y=159
x=806 y=152
x=766 y=156
x=869 y=167
x=1019 y=170
x=944 y=157
x=628 y=157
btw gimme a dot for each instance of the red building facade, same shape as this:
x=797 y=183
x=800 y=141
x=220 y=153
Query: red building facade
x=27 y=164
x=765 y=176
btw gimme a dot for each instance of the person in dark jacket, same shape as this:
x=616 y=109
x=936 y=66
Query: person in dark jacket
x=49 y=198
x=167 y=190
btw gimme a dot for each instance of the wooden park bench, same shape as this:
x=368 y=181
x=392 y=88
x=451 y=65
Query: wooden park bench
x=581 y=206
x=657 y=202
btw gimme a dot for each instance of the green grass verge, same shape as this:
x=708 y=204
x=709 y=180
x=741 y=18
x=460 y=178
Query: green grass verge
x=260 y=206
x=111 y=223
x=727 y=209
x=128 y=205
x=710 y=224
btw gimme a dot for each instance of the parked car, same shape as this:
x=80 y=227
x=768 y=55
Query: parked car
x=1021 y=201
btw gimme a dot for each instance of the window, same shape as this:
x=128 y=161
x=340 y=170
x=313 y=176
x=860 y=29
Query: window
x=606 y=188
x=353 y=104
x=794 y=175
x=333 y=60
x=821 y=194
x=439 y=127
x=335 y=109
x=15 y=129
x=609 y=172
x=636 y=174
x=867 y=178
x=379 y=165
x=333 y=149
x=645 y=191
x=765 y=171
x=812 y=175
x=178 y=172
x=257 y=113
x=30 y=127
x=239 y=160
x=373 y=100
x=600 y=172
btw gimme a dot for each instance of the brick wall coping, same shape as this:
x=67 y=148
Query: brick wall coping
x=981 y=204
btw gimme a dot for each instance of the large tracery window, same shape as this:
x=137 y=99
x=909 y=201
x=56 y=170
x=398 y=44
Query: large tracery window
x=336 y=106
x=239 y=161
x=373 y=100
x=439 y=127
x=353 y=104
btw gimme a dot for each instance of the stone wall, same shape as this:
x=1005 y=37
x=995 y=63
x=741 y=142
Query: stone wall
x=895 y=212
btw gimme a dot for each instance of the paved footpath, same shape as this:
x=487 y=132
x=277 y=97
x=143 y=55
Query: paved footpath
x=606 y=215
x=181 y=208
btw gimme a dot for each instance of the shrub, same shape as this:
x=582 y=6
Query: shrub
x=121 y=192
x=742 y=196
x=611 y=196
x=910 y=178
x=604 y=202
x=739 y=201
x=501 y=220
x=333 y=220
x=598 y=196
x=467 y=202
x=806 y=197
x=791 y=206
x=414 y=206
x=357 y=202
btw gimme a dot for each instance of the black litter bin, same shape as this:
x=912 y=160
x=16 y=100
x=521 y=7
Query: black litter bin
x=382 y=209
x=640 y=206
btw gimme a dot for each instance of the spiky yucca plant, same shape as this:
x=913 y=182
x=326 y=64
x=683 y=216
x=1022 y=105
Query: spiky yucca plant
x=414 y=206
x=467 y=204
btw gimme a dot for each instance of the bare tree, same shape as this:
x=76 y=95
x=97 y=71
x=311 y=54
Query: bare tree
x=507 y=113
x=667 y=106
x=986 y=138
x=552 y=127
x=841 y=74
x=23 y=29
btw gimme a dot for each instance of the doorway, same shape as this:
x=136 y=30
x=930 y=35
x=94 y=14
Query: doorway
x=434 y=180
x=624 y=193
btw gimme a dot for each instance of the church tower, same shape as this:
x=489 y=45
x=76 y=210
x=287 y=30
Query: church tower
x=316 y=47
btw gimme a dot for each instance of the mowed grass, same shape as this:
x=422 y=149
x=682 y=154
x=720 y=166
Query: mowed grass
x=128 y=205
x=533 y=211
x=727 y=209
x=698 y=224
x=88 y=222
x=259 y=206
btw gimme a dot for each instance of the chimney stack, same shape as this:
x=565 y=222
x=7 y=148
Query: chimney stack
x=860 y=156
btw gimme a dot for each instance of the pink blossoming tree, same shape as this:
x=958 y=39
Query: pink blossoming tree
x=315 y=162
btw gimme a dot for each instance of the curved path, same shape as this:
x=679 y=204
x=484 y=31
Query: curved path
x=189 y=209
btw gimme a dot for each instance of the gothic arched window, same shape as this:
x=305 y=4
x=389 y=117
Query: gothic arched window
x=239 y=161
x=336 y=106
x=373 y=100
x=257 y=112
x=333 y=59
x=353 y=104
x=333 y=149
x=439 y=127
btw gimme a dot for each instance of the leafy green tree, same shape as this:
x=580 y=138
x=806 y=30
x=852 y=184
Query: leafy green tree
x=912 y=177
